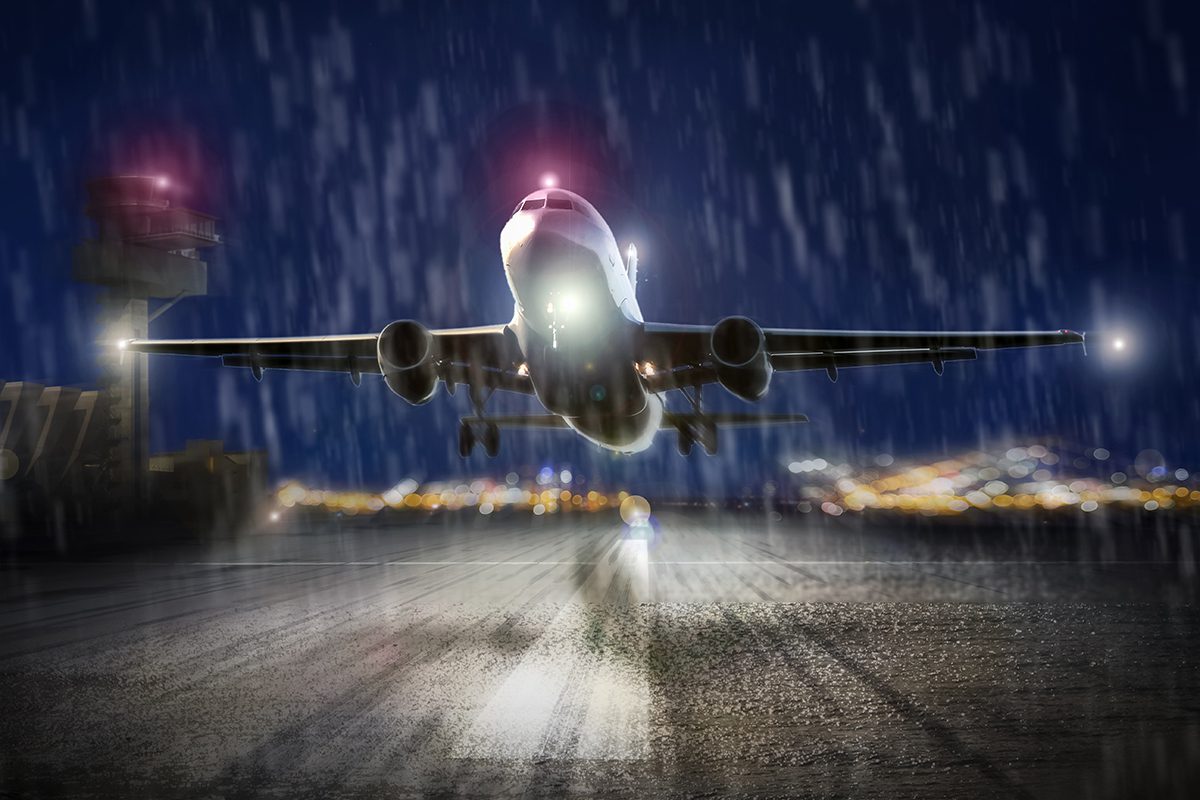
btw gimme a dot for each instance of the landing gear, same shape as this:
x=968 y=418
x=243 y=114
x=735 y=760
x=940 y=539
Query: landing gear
x=478 y=428
x=491 y=439
x=487 y=434
x=466 y=439
x=696 y=427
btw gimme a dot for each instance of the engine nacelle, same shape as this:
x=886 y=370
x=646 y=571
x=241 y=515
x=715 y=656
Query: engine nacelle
x=406 y=359
x=739 y=352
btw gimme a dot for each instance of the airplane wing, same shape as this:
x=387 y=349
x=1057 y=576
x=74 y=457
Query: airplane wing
x=480 y=356
x=681 y=353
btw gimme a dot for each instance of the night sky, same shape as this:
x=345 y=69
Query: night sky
x=870 y=165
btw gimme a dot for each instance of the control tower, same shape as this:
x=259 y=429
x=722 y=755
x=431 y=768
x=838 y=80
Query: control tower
x=144 y=249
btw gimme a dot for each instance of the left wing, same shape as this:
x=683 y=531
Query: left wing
x=681 y=353
x=479 y=356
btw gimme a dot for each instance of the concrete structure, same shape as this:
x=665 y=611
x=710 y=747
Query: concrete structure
x=206 y=483
x=75 y=465
x=144 y=249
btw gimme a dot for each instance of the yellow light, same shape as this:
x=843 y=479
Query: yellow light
x=635 y=509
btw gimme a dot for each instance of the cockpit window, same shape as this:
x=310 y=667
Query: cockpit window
x=559 y=202
x=530 y=205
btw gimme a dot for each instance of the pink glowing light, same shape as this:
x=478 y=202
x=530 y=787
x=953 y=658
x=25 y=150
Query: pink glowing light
x=549 y=180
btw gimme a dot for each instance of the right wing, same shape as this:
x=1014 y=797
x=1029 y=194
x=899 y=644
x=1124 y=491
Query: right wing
x=681 y=353
x=479 y=356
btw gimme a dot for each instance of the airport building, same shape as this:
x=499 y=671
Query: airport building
x=73 y=458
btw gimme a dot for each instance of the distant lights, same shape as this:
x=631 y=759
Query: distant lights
x=275 y=515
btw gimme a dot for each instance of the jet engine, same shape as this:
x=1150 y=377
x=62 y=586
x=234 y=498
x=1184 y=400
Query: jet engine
x=739 y=353
x=406 y=359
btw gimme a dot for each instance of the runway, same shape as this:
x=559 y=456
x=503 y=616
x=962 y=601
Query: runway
x=744 y=655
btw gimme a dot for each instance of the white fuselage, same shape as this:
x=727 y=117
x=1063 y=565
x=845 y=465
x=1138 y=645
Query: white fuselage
x=577 y=319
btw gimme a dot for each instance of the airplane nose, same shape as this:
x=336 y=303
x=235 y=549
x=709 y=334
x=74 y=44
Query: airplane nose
x=555 y=249
x=558 y=278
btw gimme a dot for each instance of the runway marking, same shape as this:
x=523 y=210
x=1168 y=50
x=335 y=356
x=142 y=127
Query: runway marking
x=562 y=701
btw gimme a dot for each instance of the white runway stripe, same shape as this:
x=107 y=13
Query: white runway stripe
x=563 y=700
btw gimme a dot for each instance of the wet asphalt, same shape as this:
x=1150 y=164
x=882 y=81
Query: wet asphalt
x=720 y=655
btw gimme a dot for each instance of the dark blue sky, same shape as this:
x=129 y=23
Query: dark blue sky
x=923 y=165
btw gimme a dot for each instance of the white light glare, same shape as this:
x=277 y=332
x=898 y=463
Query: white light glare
x=274 y=516
x=1118 y=344
x=549 y=180
x=162 y=182
x=122 y=344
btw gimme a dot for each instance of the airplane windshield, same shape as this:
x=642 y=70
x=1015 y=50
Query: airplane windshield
x=559 y=202
x=529 y=205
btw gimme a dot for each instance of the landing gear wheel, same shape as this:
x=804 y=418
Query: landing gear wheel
x=684 y=444
x=491 y=439
x=466 y=439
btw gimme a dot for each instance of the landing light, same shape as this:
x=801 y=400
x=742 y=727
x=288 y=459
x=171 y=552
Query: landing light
x=1118 y=344
x=122 y=344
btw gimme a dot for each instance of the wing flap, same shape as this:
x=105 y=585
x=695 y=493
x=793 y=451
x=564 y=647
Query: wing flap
x=357 y=345
x=784 y=340
x=789 y=362
x=351 y=364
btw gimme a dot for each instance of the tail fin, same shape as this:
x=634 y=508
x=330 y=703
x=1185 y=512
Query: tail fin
x=631 y=262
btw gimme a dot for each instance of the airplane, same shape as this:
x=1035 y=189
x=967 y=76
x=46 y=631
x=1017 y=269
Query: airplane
x=578 y=342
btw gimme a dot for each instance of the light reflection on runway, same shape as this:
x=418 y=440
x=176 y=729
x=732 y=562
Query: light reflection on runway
x=548 y=657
